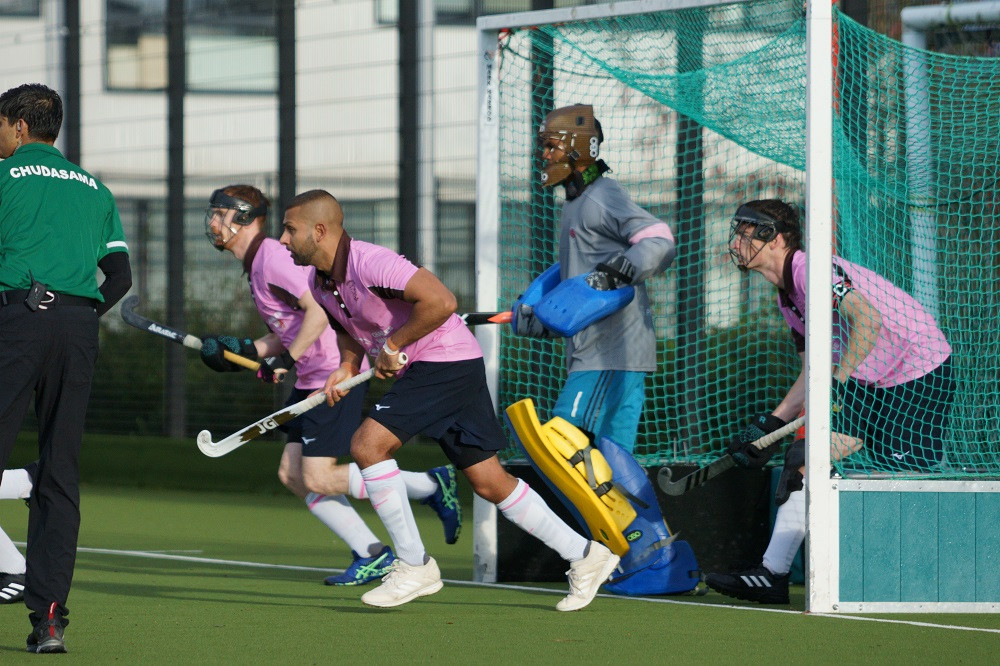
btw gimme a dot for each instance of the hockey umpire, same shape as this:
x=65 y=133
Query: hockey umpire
x=58 y=225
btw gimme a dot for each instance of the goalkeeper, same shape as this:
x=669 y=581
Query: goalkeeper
x=608 y=247
x=596 y=298
x=893 y=385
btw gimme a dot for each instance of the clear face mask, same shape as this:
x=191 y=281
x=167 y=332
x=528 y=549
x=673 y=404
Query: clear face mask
x=746 y=239
x=751 y=227
x=220 y=227
x=226 y=215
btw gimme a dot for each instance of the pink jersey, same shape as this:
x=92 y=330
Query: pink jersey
x=909 y=344
x=277 y=283
x=364 y=294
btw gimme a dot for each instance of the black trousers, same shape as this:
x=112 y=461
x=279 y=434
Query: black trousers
x=49 y=354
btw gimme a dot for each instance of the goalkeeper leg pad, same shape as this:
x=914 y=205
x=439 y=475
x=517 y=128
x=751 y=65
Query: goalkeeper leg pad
x=574 y=305
x=656 y=562
x=562 y=454
x=653 y=566
x=631 y=478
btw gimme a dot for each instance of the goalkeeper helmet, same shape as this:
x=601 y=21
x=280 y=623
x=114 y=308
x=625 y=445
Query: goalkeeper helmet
x=575 y=132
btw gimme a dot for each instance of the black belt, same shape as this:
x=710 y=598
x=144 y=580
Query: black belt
x=52 y=298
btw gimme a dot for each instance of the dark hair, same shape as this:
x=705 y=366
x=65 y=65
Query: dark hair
x=37 y=105
x=785 y=215
x=309 y=196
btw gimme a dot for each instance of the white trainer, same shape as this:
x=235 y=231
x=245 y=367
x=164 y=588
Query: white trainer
x=405 y=583
x=587 y=575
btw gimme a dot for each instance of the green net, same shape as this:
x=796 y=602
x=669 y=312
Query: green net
x=704 y=109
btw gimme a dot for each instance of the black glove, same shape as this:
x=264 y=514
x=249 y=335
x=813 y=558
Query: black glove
x=741 y=449
x=524 y=322
x=791 y=478
x=214 y=346
x=617 y=272
x=274 y=368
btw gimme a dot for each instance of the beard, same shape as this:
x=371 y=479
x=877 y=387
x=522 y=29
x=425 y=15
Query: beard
x=303 y=256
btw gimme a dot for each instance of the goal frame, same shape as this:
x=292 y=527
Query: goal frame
x=823 y=553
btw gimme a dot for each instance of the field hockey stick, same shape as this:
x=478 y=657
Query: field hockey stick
x=476 y=318
x=133 y=318
x=700 y=476
x=272 y=421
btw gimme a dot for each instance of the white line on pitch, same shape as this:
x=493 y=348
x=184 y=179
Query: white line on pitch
x=159 y=555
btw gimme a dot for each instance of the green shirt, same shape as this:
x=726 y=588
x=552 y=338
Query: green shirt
x=56 y=222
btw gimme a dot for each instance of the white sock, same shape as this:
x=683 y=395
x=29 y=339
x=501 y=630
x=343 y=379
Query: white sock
x=387 y=492
x=15 y=484
x=526 y=509
x=419 y=485
x=337 y=513
x=11 y=559
x=355 y=482
x=789 y=532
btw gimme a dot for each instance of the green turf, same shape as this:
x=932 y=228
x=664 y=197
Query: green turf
x=127 y=609
x=147 y=494
x=177 y=464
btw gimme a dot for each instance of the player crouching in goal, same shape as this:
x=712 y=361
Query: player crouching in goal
x=236 y=222
x=893 y=385
x=384 y=306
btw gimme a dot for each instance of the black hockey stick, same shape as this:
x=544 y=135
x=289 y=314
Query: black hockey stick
x=700 y=476
x=476 y=318
x=133 y=318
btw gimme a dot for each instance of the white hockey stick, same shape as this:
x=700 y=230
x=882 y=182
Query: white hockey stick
x=268 y=423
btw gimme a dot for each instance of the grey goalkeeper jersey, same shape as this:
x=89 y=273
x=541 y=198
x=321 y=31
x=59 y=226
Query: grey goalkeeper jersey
x=600 y=223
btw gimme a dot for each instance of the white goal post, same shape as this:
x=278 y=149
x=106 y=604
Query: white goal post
x=821 y=496
x=836 y=558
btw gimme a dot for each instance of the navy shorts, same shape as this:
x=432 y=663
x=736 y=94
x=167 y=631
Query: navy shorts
x=902 y=426
x=325 y=432
x=448 y=402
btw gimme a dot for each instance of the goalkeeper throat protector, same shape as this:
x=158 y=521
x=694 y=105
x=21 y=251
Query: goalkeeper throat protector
x=751 y=225
x=577 y=134
x=225 y=211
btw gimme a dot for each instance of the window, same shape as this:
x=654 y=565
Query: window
x=20 y=7
x=230 y=44
x=456 y=250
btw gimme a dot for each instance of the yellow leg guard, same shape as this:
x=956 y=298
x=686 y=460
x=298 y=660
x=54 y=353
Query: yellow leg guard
x=564 y=455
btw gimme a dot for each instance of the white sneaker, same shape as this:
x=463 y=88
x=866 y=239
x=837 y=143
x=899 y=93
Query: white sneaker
x=587 y=575
x=405 y=583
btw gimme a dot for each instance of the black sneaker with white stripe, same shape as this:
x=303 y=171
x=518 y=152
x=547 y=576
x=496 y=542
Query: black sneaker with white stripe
x=11 y=588
x=754 y=584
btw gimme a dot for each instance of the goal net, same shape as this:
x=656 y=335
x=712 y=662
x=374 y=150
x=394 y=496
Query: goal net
x=704 y=108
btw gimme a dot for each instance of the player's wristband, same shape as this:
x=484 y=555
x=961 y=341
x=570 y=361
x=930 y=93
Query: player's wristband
x=388 y=350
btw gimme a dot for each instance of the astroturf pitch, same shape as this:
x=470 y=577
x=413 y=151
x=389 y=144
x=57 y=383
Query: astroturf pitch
x=189 y=577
